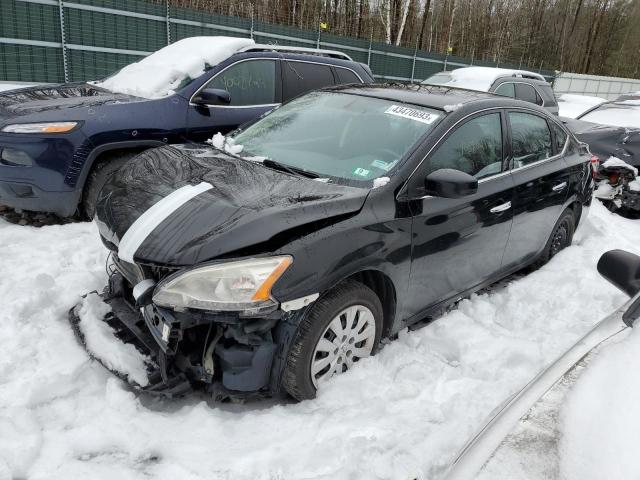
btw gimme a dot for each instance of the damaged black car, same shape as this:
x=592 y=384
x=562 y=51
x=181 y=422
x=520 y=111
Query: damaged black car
x=275 y=259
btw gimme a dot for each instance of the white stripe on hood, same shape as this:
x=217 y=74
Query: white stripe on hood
x=149 y=220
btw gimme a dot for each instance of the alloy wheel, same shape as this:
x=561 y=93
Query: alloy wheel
x=349 y=336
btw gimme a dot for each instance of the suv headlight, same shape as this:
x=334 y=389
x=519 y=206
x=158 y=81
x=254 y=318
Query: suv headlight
x=49 y=127
x=230 y=286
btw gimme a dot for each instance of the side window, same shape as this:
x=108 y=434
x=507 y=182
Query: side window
x=474 y=148
x=346 y=76
x=525 y=92
x=301 y=77
x=559 y=137
x=530 y=138
x=506 y=89
x=252 y=82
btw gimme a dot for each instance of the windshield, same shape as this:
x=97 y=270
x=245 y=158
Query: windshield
x=618 y=114
x=339 y=135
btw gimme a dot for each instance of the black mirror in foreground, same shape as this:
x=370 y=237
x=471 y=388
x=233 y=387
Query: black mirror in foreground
x=623 y=270
x=212 y=96
x=449 y=183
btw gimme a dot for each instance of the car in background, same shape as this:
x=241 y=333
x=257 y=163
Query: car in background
x=59 y=143
x=629 y=96
x=610 y=129
x=343 y=217
x=519 y=84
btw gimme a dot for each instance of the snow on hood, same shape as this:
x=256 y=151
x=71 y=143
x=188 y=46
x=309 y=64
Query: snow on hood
x=161 y=72
x=480 y=78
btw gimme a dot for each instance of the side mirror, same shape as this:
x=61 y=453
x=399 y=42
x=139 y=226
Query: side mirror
x=583 y=148
x=212 y=96
x=449 y=183
x=622 y=269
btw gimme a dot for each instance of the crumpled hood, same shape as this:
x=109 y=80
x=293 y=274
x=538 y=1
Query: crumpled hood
x=230 y=204
x=55 y=102
x=607 y=140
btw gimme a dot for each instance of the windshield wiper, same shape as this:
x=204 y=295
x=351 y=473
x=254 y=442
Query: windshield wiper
x=267 y=162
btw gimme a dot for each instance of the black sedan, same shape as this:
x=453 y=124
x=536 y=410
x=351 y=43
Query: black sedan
x=282 y=258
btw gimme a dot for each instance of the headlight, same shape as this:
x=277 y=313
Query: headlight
x=50 y=127
x=230 y=286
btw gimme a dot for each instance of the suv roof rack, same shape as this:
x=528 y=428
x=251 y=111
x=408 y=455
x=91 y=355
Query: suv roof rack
x=301 y=50
x=529 y=75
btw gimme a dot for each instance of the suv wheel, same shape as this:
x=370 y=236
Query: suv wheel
x=98 y=176
x=342 y=327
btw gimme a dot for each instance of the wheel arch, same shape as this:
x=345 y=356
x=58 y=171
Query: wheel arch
x=383 y=287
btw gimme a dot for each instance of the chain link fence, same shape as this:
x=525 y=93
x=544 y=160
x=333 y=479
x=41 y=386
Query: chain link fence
x=56 y=40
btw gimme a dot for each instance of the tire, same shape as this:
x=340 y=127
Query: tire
x=560 y=238
x=98 y=176
x=346 y=299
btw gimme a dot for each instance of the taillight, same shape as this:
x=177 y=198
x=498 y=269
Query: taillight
x=595 y=165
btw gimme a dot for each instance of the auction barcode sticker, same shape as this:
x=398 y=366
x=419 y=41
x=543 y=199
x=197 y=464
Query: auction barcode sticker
x=412 y=113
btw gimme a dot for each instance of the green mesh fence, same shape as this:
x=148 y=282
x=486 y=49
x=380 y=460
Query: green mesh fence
x=53 y=41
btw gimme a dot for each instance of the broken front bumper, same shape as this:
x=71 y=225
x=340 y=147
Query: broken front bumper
x=222 y=354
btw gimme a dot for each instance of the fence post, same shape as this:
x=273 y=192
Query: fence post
x=168 y=23
x=369 y=52
x=251 y=32
x=63 y=41
x=413 y=65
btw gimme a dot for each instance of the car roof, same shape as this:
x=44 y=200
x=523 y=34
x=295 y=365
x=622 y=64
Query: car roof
x=481 y=78
x=432 y=96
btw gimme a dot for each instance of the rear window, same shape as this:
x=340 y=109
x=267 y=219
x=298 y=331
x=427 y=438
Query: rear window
x=526 y=92
x=302 y=77
x=530 y=138
x=346 y=76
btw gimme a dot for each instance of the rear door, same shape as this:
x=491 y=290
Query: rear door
x=255 y=88
x=458 y=243
x=302 y=76
x=541 y=177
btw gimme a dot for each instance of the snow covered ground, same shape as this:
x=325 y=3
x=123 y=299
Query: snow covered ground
x=573 y=105
x=402 y=414
x=13 y=85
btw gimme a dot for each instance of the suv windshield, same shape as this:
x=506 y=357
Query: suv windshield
x=338 y=134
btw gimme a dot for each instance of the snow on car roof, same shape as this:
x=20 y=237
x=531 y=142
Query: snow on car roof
x=481 y=78
x=161 y=72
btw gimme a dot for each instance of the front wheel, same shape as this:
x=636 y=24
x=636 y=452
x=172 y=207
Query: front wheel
x=342 y=327
x=561 y=237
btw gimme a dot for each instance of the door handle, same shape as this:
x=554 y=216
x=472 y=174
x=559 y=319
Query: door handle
x=501 y=208
x=559 y=187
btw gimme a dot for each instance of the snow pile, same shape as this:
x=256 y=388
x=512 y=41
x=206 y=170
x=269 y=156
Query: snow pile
x=617 y=162
x=600 y=420
x=226 y=144
x=101 y=341
x=14 y=86
x=161 y=72
x=573 y=105
x=479 y=78
x=452 y=108
x=401 y=414
x=380 y=182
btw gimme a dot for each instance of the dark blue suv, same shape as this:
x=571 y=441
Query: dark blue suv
x=60 y=143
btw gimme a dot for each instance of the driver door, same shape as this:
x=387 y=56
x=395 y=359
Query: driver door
x=458 y=243
x=254 y=86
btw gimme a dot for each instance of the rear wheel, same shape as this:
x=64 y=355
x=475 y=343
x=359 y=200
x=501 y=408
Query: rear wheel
x=98 y=176
x=561 y=237
x=341 y=328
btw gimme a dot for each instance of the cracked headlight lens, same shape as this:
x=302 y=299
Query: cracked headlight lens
x=229 y=286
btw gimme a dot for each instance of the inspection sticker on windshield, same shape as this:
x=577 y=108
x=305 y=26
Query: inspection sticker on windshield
x=411 y=113
x=362 y=172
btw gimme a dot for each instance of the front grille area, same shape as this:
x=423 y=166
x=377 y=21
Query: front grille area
x=136 y=272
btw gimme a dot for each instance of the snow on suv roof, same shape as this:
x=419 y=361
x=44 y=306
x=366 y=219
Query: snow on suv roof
x=478 y=78
x=163 y=71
